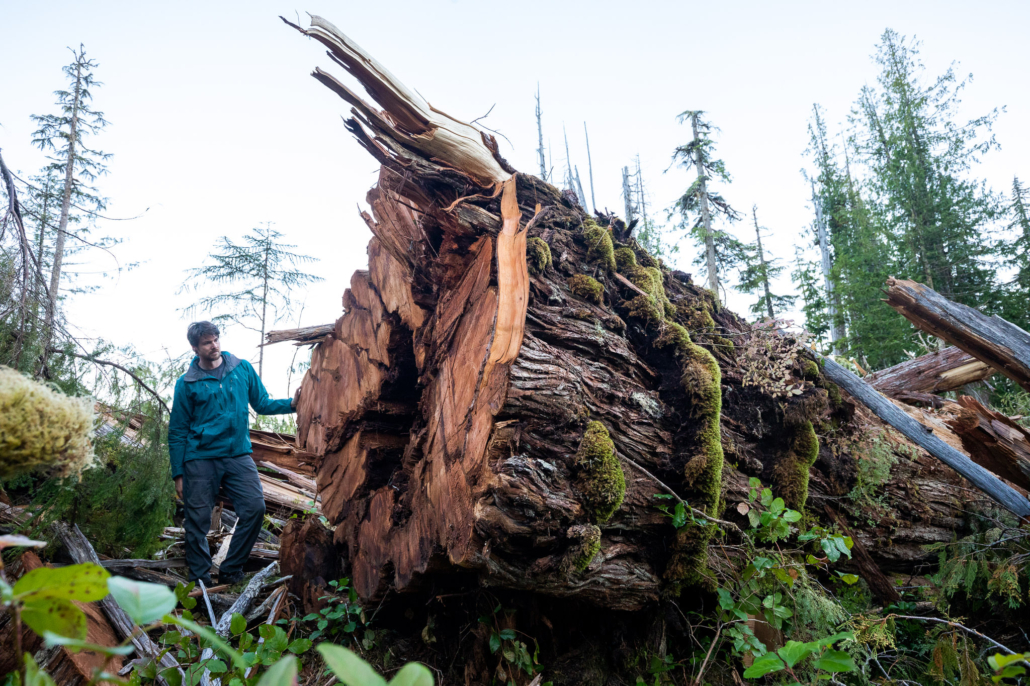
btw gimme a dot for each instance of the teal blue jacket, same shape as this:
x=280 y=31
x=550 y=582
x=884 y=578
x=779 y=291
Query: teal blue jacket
x=210 y=419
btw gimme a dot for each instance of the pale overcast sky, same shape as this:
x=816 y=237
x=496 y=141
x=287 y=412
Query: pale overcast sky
x=216 y=125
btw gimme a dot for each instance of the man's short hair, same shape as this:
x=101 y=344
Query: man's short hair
x=198 y=330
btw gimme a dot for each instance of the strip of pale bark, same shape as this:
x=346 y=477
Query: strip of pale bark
x=937 y=372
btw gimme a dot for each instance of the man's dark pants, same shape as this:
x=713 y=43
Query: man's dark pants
x=200 y=485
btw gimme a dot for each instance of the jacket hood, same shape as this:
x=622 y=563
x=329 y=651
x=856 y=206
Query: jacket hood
x=195 y=373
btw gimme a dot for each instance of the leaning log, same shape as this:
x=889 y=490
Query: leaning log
x=936 y=372
x=304 y=336
x=1001 y=344
x=995 y=488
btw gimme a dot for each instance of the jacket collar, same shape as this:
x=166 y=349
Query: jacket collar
x=195 y=373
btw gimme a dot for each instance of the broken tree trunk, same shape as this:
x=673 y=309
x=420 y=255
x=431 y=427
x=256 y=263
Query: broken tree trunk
x=937 y=372
x=1001 y=344
x=503 y=366
x=994 y=441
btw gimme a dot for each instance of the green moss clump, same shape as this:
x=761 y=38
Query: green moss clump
x=586 y=543
x=833 y=390
x=701 y=378
x=42 y=429
x=599 y=244
x=538 y=255
x=587 y=287
x=810 y=369
x=604 y=484
x=624 y=259
x=790 y=474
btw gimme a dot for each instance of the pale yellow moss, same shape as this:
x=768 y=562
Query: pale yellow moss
x=41 y=429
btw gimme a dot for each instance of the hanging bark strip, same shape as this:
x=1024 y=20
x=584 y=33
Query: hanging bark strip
x=1000 y=492
x=937 y=372
x=1001 y=344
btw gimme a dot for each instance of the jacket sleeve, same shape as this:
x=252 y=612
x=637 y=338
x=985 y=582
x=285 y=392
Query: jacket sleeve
x=259 y=399
x=179 y=427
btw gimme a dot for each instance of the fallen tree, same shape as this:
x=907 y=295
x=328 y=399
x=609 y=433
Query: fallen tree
x=514 y=380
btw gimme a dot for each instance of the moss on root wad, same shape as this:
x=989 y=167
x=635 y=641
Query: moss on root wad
x=599 y=244
x=603 y=482
x=41 y=429
x=790 y=474
x=587 y=287
x=538 y=255
x=701 y=379
x=586 y=543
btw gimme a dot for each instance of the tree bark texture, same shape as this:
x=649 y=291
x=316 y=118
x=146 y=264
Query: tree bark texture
x=475 y=410
x=937 y=372
x=1001 y=344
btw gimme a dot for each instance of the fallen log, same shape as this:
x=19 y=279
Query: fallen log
x=936 y=372
x=281 y=450
x=994 y=441
x=980 y=477
x=303 y=336
x=504 y=383
x=1001 y=344
x=302 y=482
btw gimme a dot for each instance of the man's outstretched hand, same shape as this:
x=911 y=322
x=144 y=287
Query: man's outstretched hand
x=178 y=487
x=296 y=400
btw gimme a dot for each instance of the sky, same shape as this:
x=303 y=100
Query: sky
x=217 y=127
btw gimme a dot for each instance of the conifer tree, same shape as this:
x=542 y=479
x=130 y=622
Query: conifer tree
x=700 y=205
x=758 y=270
x=920 y=156
x=64 y=136
x=1016 y=253
x=805 y=277
x=262 y=274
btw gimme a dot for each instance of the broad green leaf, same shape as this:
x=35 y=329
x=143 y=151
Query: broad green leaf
x=777 y=506
x=216 y=666
x=835 y=661
x=842 y=636
x=849 y=579
x=843 y=545
x=282 y=673
x=144 y=603
x=172 y=676
x=508 y=634
x=75 y=645
x=679 y=516
x=209 y=635
x=754 y=482
x=86 y=582
x=278 y=641
x=794 y=651
x=348 y=667
x=57 y=615
x=792 y=516
x=413 y=674
x=299 y=646
x=238 y=624
x=766 y=664
x=34 y=676
x=999 y=661
x=495 y=643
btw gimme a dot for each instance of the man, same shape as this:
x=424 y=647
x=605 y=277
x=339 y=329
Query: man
x=209 y=447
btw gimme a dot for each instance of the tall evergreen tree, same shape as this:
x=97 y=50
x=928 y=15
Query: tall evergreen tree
x=805 y=277
x=920 y=156
x=759 y=269
x=64 y=137
x=261 y=273
x=700 y=205
x=1015 y=250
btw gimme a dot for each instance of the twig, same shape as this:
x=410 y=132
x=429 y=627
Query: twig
x=675 y=495
x=701 y=672
x=955 y=625
x=119 y=367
